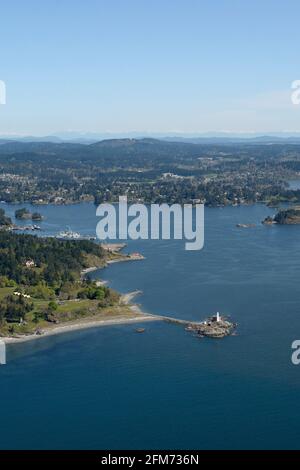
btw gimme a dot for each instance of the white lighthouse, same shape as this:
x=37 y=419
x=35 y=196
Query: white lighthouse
x=218 y=318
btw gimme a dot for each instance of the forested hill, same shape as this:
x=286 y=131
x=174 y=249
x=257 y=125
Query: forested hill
x=111 y=147
x=54 y=261
x=41 y=283
x=146 y=147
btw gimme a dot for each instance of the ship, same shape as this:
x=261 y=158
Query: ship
x=70 y=235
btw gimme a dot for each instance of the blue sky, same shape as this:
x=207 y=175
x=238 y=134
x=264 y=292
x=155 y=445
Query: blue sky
x=149 y=66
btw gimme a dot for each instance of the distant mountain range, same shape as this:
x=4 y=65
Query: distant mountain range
x=125 y=139
x=265 y=139
x=189 y=145
x=147 y=147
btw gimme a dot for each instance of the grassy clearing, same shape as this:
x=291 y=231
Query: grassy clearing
x=79 y=310
x=4 y=291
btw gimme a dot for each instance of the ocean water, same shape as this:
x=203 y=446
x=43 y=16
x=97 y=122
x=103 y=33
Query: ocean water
x=294 y=184
x=111 y=388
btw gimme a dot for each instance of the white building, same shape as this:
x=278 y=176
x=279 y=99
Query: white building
x=216 y=318
x=19 y=294
x=29 y=263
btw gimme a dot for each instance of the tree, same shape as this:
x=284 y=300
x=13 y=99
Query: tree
x=3 y=219
x=52 y=306
x=22 y=214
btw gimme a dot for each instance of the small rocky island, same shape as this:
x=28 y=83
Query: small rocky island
x=213 y=327
x=24 y=214
x=290 y=216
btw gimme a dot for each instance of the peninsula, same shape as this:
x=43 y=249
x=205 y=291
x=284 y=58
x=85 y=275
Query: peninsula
x=290 y=216
x=44 y=288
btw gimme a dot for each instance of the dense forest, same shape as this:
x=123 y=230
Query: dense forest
x=57 y=261
x=40 y=278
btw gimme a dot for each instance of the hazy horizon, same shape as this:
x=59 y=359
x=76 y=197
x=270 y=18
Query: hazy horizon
x=98 y=136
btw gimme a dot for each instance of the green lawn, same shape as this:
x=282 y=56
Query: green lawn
x=4 y=291
x=67 y=310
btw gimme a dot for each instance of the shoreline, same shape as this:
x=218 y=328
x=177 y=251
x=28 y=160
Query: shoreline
x=132 y=313
x=207 y=327
x=138 y=317
x=66 y=328
x=138 y=314
x=125 y=258
x=119 y=259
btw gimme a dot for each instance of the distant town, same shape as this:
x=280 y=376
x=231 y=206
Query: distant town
x=148 y=171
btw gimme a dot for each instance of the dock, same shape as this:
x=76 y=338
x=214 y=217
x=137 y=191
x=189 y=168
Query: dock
x=215 y=326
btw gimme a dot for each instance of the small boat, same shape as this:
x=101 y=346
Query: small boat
x=140 y=330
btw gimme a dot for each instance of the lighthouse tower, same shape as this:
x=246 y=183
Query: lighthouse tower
x=218 y=317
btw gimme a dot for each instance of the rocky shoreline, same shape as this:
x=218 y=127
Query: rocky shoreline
x=290 y=216
x=215 y=326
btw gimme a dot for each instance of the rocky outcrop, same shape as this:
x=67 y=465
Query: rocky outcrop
x=213 y=327
x=290 y=216
x=269 y=221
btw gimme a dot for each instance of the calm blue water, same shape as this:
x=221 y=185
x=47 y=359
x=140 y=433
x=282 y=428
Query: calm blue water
x=111 y=388
x=294 y=184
